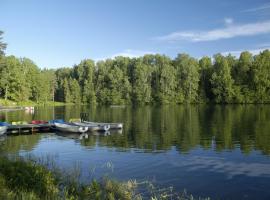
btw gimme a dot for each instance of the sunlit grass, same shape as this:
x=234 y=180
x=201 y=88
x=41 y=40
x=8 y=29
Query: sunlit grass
x=34 y=179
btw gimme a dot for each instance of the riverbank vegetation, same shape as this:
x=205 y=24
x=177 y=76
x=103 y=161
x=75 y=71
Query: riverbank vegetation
x=151 y=79
x=31 y=180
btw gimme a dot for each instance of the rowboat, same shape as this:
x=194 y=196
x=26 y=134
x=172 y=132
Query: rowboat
x=3 y=130
x=19 y=123
x=39 y=122
x=93 y=127
x=64 y=127
x=61 y=121
x=112 y=125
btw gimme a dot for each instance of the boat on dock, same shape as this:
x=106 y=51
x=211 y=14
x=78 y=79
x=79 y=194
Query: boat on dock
x=93 y=127
x=112 y=125
x=39 y=122
x=3 y=130
x=72 y=128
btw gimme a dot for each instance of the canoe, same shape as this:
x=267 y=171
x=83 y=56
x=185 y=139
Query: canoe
x=3 y=130
x=93 y=127
x=64 y=127
x=112 y=125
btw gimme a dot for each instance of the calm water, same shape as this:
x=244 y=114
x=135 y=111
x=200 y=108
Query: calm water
x=217 y=151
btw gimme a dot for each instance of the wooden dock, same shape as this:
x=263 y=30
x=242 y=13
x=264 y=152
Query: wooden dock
x=28 y=128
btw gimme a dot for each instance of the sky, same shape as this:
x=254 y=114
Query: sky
x=61 y=33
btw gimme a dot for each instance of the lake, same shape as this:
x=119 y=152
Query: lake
x=221 y=152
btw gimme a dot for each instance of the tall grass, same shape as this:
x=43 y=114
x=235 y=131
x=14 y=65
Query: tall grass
x=34 y=179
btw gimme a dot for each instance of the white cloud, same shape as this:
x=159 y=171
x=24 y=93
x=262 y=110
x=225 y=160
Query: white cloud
x=228 y=21
x=259 y=8
x=238 y=52
x=132 y=53
x=218 y=34
x=128 y=53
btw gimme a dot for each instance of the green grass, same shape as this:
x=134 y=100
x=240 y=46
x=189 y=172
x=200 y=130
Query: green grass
x=31 y=179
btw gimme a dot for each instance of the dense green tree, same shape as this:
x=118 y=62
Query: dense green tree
x=62 y=85
x=261 y=77
x=164 y=80
x=142 y=82
x=101 y=83
x=45 y=86
x=66 y=91
x=75 y=91
x=221 y=80
x=241 y=73
x=187 y=78
x=13 y=80
x=84 y=73
x=205 y=71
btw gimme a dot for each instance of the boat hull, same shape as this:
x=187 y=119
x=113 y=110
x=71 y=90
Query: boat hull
x=112 y=125
x=93 y=127
x=3 y=130
x=70 y=128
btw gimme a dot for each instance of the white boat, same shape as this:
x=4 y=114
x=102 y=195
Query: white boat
x=3 y=130
x=70 y=128
x=93 y=127
x=112 y=125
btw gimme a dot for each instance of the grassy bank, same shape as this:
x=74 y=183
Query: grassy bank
x=32 y=180
x=20 y=179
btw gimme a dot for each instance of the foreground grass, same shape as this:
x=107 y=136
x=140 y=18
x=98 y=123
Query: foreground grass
x=29 y=180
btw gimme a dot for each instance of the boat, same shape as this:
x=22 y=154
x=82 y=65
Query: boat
x=112 y=125
x=19 y=123
x=39 y=122
x=93 y=127
x=3 y=130
x=61 y=121
x=65 y=127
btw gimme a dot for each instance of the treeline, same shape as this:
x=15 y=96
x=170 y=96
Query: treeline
x=145 y=80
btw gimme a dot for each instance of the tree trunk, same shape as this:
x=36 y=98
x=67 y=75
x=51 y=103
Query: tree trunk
x=6 y=93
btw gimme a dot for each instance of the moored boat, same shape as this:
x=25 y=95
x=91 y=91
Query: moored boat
x=112 y=125
x=93 y=127
x=3 y=130
x=39 y=122
x=19 y=123
x=64 y=127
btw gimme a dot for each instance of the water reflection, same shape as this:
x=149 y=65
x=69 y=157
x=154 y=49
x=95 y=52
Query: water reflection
x=161 y=128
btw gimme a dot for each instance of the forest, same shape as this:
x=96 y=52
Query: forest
x=150 y=79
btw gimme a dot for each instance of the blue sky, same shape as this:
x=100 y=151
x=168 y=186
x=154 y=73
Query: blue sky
x=61 y=33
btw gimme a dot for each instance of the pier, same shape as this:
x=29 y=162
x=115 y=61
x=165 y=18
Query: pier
x=28 y=128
